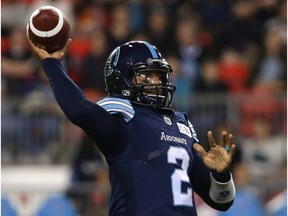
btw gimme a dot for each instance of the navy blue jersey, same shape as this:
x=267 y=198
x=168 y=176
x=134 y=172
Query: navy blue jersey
x=153 y=167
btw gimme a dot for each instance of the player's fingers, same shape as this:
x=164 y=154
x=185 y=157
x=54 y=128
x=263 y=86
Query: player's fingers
x=31 y=43
x=211 y=139
x=67 y=44
x=200 y=149
x=223 y=139
x=33 y=46
x=35 y=50
x=39 y=53
x=232 y=150
x=229 y=141
x=27 y=36
x=62 y=52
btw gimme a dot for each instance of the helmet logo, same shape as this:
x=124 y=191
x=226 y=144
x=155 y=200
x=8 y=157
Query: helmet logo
x=112 y=61
x=150 y=61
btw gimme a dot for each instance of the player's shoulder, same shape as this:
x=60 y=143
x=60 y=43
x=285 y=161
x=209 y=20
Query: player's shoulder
x=118 y=106
x=181 y=116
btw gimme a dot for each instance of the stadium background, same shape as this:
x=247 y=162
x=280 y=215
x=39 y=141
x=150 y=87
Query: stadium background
x=230 y=69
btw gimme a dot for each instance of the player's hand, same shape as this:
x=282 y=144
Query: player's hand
x=219 y=157
x=42 y=53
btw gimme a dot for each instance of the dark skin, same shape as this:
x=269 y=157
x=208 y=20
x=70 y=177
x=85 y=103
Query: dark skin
x=217 y=158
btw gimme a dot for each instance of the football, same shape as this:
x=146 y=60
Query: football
x=48 y=28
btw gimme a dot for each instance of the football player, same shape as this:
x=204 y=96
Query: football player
x=155 y=163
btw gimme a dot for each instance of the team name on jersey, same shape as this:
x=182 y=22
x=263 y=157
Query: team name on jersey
x=171 y=138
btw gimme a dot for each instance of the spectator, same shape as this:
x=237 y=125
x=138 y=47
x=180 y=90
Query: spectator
x=159 y=28
x=120 y=26
x=39 y=123
x=240 y=27
x=93 y=64
x=88 y=163
x=18 y=66
x=233 y=71
x=89 y=171
x=137 y=16
x=10 y=8
x=189 y=47
x=209 y=78
x=271 y=75
x=89 y=16
x=183 y=85
x=280 y=20
x=19 y=78
x=213 y=12
x=264 y=151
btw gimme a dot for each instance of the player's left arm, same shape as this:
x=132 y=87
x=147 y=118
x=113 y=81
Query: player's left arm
x=215 y=185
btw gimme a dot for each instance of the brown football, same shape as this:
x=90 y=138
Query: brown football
x=48 y=28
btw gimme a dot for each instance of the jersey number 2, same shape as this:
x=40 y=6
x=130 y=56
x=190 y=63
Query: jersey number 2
x=179 y=176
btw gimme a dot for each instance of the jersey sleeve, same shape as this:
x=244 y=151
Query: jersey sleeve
x=107 y=130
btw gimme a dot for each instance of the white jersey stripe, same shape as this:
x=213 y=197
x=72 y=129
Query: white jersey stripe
x=114 y=102
x=118 y=106
x=120 y=111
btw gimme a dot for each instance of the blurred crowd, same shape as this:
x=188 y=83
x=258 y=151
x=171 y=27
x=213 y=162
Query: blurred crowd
x=215 y=45
x=232 y=47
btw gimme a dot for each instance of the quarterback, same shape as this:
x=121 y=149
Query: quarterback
x=155 y=162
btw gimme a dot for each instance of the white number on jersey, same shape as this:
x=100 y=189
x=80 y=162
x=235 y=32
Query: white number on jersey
x=179 y=176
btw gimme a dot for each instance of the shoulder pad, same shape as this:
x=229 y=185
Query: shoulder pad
x=118 y=106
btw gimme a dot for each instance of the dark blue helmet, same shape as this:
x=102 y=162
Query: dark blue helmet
x=137 y=71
